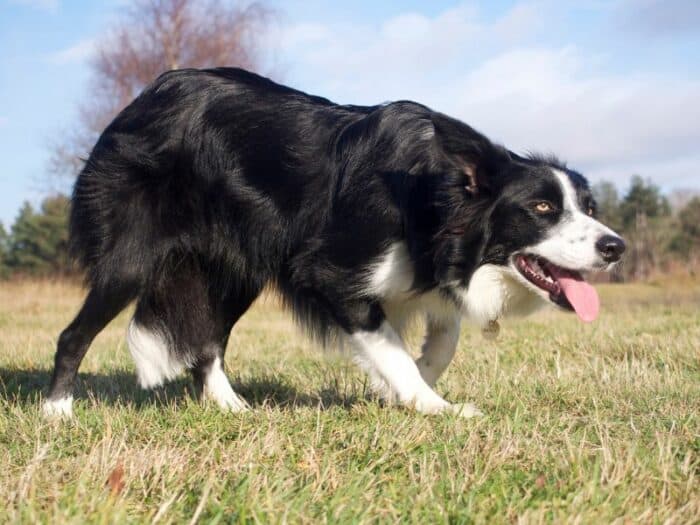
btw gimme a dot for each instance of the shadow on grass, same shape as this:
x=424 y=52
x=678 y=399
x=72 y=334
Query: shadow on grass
x=120 y=388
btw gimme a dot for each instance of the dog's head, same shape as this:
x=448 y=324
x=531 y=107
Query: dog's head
x=532 y=224
x=544 y=232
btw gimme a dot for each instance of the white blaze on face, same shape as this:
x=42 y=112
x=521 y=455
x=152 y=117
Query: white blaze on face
x=571 y=243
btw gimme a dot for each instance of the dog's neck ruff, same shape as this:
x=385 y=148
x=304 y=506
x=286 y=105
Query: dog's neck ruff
x=493 y=293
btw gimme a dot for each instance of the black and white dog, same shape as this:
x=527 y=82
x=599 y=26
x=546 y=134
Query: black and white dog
x=214 y=184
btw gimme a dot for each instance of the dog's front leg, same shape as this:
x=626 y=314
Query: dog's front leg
x=438 y=349
x=382 y=354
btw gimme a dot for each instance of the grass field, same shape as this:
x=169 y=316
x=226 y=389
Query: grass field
x=584 y=424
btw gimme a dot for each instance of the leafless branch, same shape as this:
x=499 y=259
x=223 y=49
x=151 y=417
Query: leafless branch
x=154 y=36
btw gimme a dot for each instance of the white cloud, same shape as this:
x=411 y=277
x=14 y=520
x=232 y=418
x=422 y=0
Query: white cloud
x=353 y=57
x=43 y=5
x=545 y=99
x=78 y=52
x=304 y=34
x=492 y=75
x=406 y=55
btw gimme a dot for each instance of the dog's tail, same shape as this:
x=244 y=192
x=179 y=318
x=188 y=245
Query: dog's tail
x=155 y=360
x=110 y=229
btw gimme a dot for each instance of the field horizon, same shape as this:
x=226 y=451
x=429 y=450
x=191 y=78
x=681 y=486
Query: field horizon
x=584 y=424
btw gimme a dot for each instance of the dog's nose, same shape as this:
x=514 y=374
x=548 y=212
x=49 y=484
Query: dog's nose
x=610 y=247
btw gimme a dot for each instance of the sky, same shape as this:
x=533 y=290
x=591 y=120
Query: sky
x=612 y=87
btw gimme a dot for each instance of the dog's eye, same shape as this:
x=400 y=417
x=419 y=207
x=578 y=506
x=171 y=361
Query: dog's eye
x=544 y=207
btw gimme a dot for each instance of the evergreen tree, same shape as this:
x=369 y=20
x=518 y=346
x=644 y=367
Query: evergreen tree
x=690 y=219
x=687 y=239
x=608 y=200
x=643 y=198
x=646 y=219
x=4 y=247
x=39 y=240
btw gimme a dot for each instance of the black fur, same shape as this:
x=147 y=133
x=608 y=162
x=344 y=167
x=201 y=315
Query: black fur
x=213 y=184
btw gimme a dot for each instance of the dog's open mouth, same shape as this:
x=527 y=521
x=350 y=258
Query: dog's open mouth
x=566 y=288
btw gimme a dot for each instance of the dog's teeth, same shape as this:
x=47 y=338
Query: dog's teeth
x=536 y=271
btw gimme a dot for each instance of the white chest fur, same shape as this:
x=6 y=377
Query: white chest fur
x=391 y=278
x=492 y=293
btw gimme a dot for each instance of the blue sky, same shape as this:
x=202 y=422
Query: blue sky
x=611 y=86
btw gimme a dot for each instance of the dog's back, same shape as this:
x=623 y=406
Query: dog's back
x=199 y=160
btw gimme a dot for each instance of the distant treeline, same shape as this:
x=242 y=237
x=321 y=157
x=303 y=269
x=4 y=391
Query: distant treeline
x=37 y=243
x=659 y=237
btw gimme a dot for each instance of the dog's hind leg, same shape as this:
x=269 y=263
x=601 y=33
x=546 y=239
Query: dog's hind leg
x=208 y=373
x=100 y=307
x=212 y=383
x=182 y=323
x=438 y=349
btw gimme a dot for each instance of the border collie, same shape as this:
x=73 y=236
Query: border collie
x=214 y=184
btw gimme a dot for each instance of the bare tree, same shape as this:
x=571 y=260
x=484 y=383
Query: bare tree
x=155 y=36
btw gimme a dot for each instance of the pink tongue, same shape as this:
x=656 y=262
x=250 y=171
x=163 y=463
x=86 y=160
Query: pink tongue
x=582 y=296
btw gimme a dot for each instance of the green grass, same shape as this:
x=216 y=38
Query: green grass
x=585 y=423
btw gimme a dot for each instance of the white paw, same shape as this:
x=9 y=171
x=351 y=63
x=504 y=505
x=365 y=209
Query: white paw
x=233 y=404
x=58 y=408
x=435 y=405
x=226 y=399
x=465 y=410
x=217 y=388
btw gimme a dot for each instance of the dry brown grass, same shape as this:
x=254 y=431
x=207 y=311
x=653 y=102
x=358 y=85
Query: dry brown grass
x=585 y=424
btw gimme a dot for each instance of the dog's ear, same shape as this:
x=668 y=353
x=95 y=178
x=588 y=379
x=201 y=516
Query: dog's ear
x=475 y=156
x=474 y=183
